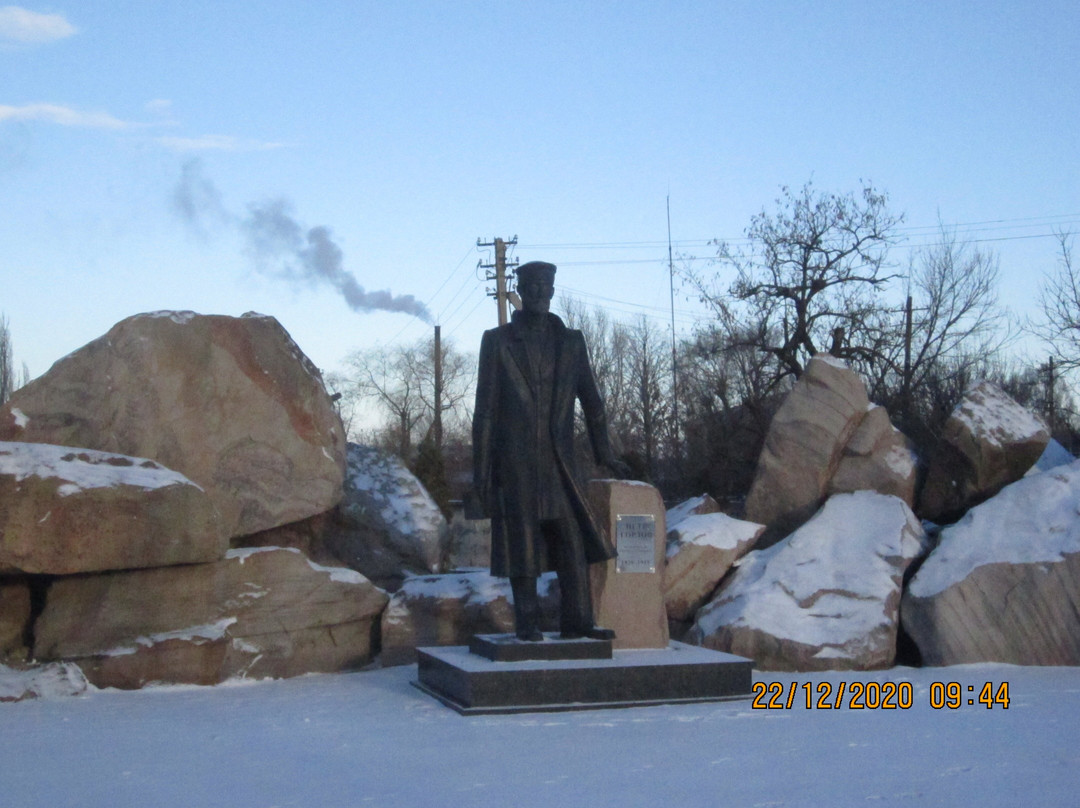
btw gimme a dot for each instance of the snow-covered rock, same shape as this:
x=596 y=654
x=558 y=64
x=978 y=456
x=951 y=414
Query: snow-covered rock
x=804 y=444
x=449 y=609
x=701 y=548
x=825 y=598
x=55 y=680
x=230 y=402
x=259 y=612
x=66 y=510
x=988 y=442
x=1003 y=583
x=877 y=458
x=387 y=521
x=692 y=507
x=14 y=618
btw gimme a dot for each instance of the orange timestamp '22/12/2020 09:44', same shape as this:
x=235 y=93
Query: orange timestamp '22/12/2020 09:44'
x=875 y=695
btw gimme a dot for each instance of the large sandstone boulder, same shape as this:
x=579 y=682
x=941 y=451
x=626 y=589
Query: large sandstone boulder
x=988 y=442
x=700 y=550
x=804 y=445
x=877 y=458
x=1003 y=584
x=259 y=612
x=14 y=619
x=449 y=609
x=825 y=598
x=75 y=510
x=229 y=402
x=387 y=524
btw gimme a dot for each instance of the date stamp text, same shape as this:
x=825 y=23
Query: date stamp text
x=876 y=695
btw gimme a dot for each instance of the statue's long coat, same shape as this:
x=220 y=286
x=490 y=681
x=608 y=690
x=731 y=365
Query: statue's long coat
x=505 y=444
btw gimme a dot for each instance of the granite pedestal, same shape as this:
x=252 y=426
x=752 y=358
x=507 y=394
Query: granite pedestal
x=561 y=677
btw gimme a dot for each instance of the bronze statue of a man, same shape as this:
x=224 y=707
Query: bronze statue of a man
x=532 y=371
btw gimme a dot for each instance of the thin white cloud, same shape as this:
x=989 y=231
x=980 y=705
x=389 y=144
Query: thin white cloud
x=24 y=27
x=67 y=116
x=61 y=115
x=216 y=143
x=159 y=106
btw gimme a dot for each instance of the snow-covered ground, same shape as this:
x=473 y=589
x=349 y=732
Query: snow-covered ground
x=371 y=739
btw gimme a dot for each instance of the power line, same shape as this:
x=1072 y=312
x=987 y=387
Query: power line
x=474 y=279
x=457 y=308
x=448 y=277
x=468 y=314
x=684 y=316
x=960 y=231
x=1061 y=219
x=1038 y=220
x=428 y=303
x=618 y=245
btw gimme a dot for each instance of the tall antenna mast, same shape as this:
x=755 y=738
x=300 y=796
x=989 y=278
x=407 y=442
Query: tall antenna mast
x=674 y=354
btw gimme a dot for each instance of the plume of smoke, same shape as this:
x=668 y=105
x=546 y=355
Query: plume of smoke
x=276 y=239
x=196 y=200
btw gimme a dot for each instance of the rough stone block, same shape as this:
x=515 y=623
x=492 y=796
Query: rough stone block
x=64 y=511
x=804 y=445
x=1003 y=583
x=259 y=612
x=232 y=403
x=631 y=603
x=700 y=551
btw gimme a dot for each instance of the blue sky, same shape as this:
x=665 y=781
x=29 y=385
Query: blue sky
x=405 y=131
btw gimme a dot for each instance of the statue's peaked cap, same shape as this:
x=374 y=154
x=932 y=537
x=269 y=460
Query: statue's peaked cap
x=536 y=270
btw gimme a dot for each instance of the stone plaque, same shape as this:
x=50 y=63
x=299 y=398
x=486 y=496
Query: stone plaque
x=635 y=540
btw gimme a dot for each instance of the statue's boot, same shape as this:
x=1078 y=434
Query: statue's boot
x=526 y=609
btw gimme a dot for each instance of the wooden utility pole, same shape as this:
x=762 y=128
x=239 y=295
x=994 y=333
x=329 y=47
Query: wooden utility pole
x=1050 y=403
x=497 y=272
x=437 y=424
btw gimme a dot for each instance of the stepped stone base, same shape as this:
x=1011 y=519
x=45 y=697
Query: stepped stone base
x=475 y=685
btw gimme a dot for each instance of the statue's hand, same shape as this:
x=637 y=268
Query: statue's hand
x=619 y=470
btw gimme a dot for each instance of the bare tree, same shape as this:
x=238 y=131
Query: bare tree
x=632 y=364
x=8 y=382
x=650 y=382
x=1059 y=299
x=608 y=344
x=729 y=392
x=955 y=325
x=808 y=280
x=400 y=382
x=604 y=343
